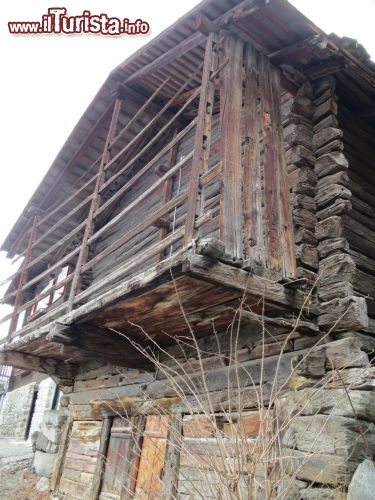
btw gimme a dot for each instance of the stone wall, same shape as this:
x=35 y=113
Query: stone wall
x=15 y=412
x=44 y=402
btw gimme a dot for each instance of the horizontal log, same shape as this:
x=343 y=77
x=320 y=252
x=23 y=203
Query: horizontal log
x=31 y=362
x=332 y=245
x=335 y=290
x=307 y=255
x=338 y=207
x=326 y=135
x=363 y=262
x=336 y=267
x=331 y=163
x=238 y=279
x=328 y=107
x=345 y=353
x=333 y=227
x=340 y=178
x=330 y=193
x=349 y=313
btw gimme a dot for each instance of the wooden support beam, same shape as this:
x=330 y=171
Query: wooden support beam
x=254 y=245
x=100 y=461
x=172 y=463
x=256 y=286
x=34 y=363
x=286 y=229
x=171 y=55
x=292 y=54
x=96 y=342
x=63 y=445
x=202 y=135
x=230 y=117
x=95 y=202
x=167 y=193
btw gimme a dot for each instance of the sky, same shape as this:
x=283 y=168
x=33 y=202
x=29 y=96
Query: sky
x=48 y=80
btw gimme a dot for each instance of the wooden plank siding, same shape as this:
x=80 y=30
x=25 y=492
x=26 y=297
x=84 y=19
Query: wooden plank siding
x=80 y=459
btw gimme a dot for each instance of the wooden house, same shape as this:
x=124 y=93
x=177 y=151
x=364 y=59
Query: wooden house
x=201 y=254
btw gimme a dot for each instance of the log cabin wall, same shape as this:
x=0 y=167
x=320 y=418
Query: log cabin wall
x=338 y=224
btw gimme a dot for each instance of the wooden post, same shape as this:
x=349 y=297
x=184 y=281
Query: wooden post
x=23 y=278
x=277 y=210
x=287 y=242
x=230 y=117
x=167 y=191
x=102 y=453
x=63 y=445
x=95 y=202
x=202 y=135
x=132 y=459
x=252 y=192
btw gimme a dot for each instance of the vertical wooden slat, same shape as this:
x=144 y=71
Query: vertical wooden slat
x=98 y=475
x=63 y=445
x=287 y=243
x=23 y=278
x=152 y=457
x=172 y=463
x=95 y=202
x=230 y=116
x=202 y=135
x=252 y=169
x=271 y=170
x=132 y=459
x=167 y=190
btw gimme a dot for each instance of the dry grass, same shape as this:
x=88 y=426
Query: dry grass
x=230 y=463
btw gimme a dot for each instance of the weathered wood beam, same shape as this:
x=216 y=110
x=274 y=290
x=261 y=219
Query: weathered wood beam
x=34 y=363
x=140 y=198
x=97 y=342
x=292 y=53
x=172 y=54
x=101 y=460
x=63 y=445
x=287 y=241
x=120 y=271
x=230 y=117
x=238 y=279
x=252 y=194
x=299 y=325
x=202 y=134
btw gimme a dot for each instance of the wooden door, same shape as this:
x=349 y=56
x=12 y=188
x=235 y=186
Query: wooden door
x=115 y=462
x=152 y=458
